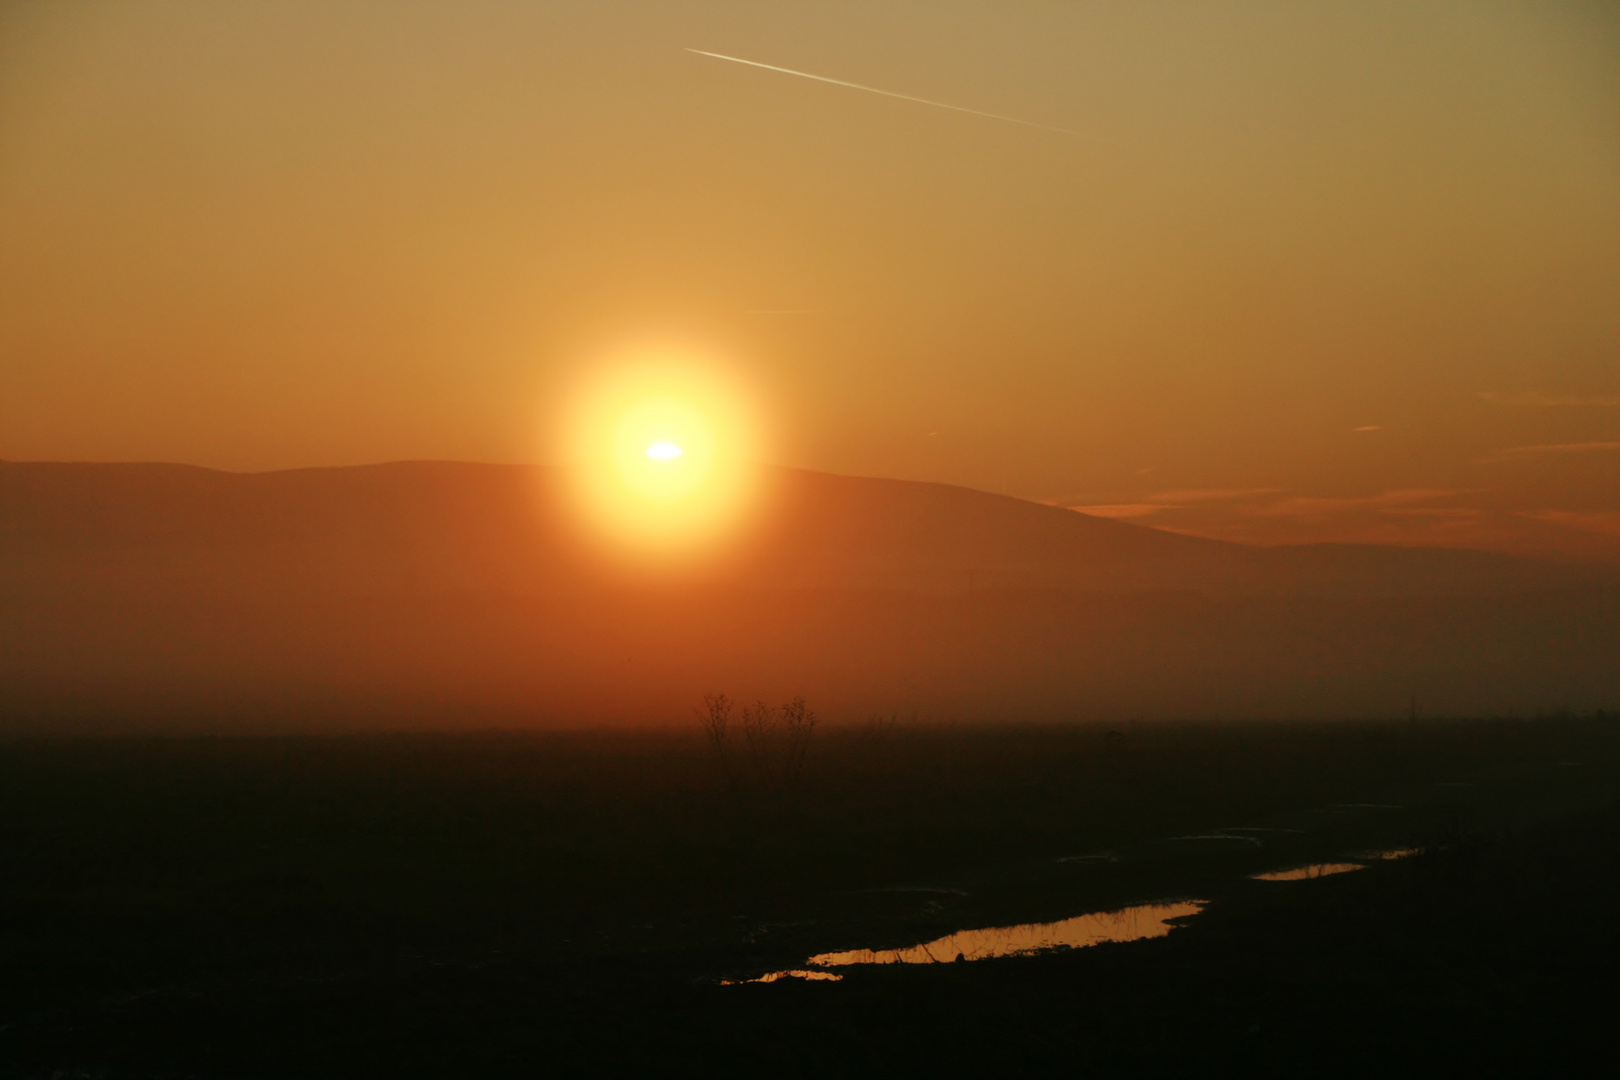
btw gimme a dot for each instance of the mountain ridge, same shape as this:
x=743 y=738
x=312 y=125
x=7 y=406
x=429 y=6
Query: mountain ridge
x=502 y=528
x=442 y=595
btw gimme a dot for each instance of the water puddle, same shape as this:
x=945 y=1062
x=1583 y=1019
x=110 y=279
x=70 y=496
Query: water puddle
x=796 y=973
x=1392 y=853
x=1315 y=870
x=1126 y=924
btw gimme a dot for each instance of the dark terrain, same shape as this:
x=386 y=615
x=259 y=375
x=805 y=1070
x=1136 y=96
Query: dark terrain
x=570 y=904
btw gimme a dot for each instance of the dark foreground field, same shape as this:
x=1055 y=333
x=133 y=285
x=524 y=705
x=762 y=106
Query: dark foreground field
x=506 y=905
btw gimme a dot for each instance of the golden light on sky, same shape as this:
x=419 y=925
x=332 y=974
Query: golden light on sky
x=1112 y=254
x=661 y=451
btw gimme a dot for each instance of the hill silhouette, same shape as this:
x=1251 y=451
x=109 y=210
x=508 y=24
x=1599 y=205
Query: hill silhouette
x=136 y=597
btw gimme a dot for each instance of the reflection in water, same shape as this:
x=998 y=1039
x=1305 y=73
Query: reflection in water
x=1316 y=870
x=1127 y=924
x=1392 y=853
x=793 y=974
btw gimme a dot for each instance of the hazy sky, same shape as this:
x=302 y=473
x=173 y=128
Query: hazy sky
x=1301 y=271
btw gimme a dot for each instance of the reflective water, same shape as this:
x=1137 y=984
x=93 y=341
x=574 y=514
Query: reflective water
x=1316 y=870
x=795 y=973
x=1392 y=853
x=1126 y=924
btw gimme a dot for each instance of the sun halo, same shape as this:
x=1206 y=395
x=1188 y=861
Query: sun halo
x=661 y=457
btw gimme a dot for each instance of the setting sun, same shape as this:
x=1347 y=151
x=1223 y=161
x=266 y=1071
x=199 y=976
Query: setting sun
x=661 y=447
x=564 y=536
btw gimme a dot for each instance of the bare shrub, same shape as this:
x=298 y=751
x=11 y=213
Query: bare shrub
x=796 y=722
x=715 y=717
x=775 y=741
x=759 y=735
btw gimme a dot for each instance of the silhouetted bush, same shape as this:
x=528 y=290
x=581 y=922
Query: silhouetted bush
x=775 y=742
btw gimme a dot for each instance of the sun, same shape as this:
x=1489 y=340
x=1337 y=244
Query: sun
x=661 y=449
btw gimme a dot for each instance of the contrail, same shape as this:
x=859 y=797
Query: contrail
x=885 y=93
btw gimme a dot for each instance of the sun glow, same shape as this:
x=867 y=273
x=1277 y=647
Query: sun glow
x=661 y=450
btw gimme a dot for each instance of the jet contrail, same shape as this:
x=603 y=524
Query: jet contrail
x=885 y=93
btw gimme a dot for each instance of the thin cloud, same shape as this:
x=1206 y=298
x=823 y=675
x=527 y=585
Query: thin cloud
x=1171 y=500
x=1431 y=511
x=885 y=93
x=1120 y=510
x=1589 y=521
x=1215 y=508
x=1410 y=517
x=1384 y=502
x=1168 y=498
x=1515 y=453
x=1540 y=399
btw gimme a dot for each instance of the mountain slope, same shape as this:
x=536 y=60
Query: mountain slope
x=142 y=597
x=443 y=527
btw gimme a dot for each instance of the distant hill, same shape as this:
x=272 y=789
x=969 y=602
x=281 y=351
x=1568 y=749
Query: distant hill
x=446 y=594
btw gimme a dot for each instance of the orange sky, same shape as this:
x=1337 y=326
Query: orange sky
x=1301 y=272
